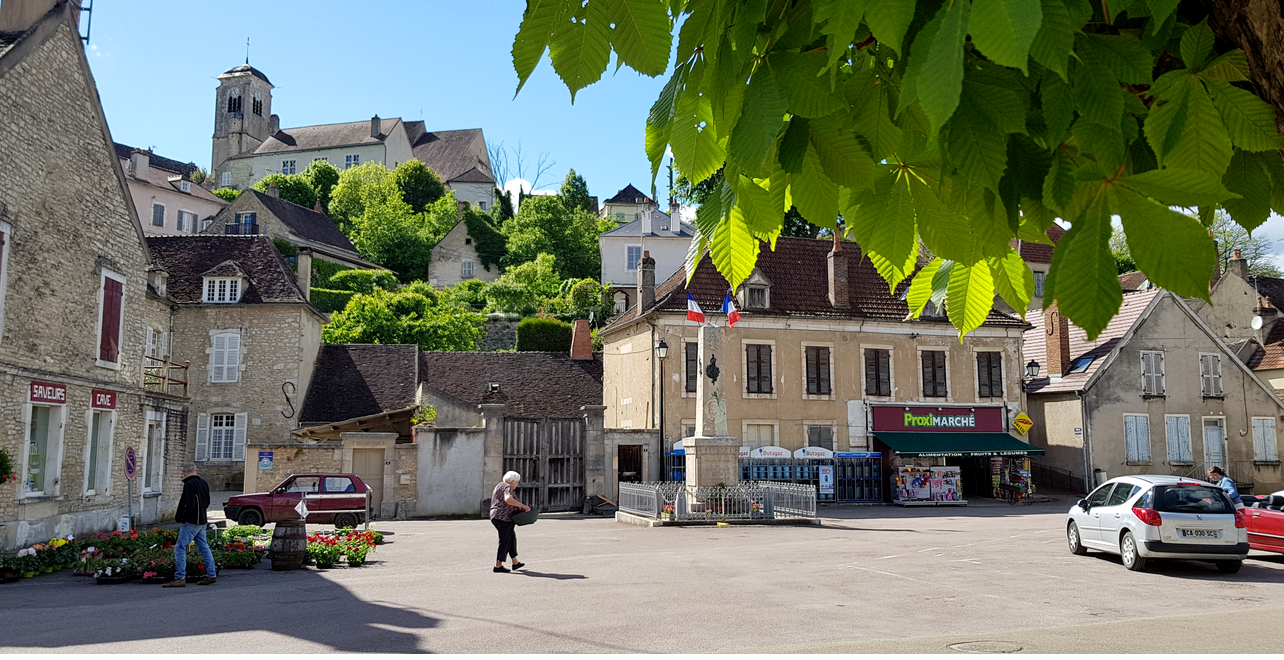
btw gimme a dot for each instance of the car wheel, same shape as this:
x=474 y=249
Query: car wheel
x=1230 y=566
x=250 y=517
x=342 y=520
x=1075 y=541
x=1132 y=559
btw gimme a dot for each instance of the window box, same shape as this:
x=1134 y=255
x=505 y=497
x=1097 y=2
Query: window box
x=1266 y=463
x=1141 y=463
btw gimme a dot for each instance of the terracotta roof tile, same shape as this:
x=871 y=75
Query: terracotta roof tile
x=531 y=384
x=1038 y=253
x=1035 y=346
x=1133 y=281
x=355 y=380
x=799 y=272
x=1271 y=356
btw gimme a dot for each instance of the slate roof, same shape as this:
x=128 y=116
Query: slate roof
x=684 y=229
x=124 y=151
x=1035 y=346
x=188 y=258
x=246 y=68
x=323 y=136
x=531 y=384
x=356 y=380
x=799 y=272
x=1038 y=253
x=8 y=38
x=454 y=155
x=1272 y=287
x=305 y=222
x=629 y=195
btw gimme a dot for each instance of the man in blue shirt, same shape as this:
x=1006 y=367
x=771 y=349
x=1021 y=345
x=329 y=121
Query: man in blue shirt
x=1216 y=476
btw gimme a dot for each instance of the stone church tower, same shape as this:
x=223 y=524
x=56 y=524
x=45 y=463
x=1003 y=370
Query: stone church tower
x=243 y=116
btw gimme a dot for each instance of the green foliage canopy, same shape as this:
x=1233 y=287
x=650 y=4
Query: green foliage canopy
x=489 y=242
x=323 y=177
x=544 y=224
x=364 y=281
x=544 y=334
x=293 y=188
x=960 y=124
x=575 y=192
x=420 y=186
x=404 y=317
x=227 y=194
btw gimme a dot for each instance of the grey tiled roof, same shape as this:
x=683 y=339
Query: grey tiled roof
x=188 y=259
x=124 y=151
x=356 y=380
x=658 y=219
x=453 y=155
x=307 y=223
x=324 y=136
x=244 y=68
x=628 y=195
x=531 y=384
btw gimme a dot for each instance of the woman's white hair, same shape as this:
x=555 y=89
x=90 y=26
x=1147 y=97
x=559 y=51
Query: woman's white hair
x=512 y=477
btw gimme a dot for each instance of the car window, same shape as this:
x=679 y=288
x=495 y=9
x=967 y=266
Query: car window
x=1192 y=499
x=304 y=485
x=1122 y=493
x=1098 y=497
x=339 y=485
x=1147 y=500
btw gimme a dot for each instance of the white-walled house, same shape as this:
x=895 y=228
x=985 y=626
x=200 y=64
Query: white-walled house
x=667 y=240
x=168 y=203
x=627 y=205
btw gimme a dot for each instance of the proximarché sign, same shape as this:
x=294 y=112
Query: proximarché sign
x=931 y=421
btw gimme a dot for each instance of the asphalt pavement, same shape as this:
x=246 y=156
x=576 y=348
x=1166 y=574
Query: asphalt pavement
x=870 y=579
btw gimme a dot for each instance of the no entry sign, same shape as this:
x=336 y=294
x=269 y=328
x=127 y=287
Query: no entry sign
x=131 y=462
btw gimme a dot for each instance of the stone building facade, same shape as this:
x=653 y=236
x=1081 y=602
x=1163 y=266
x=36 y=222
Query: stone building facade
x=455 y=259
x=250 y=340
x=163 y=193
x=72 y=313
x=265 y=213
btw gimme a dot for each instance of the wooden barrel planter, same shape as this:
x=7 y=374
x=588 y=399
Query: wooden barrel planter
x=289 y=547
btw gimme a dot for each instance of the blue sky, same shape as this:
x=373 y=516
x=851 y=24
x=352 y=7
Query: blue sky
x=447 y=63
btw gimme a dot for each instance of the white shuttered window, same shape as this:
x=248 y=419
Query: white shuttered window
x=1137 y=438
x=1265 y=446
x=1177 y=432
x=1152 y=373
x=225 y=358
x=1210 y=374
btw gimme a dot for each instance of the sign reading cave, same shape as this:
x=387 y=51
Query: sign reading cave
x=938 y=420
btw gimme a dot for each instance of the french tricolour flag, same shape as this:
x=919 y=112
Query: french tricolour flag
x=693 y=310
x=729 y=308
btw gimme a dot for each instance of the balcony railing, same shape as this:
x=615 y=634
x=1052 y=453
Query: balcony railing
x=161 y=375
x=241 y=229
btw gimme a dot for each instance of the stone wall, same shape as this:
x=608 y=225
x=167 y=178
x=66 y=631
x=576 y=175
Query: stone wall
x=64 y=202
x=448 y=256
x=501 y=335
x=449 y=480
x=279 y=344
x=288 y=459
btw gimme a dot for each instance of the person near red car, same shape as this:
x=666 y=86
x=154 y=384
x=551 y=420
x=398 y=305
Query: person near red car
x=191 y=516
x=503 y=504
x=1216 y=476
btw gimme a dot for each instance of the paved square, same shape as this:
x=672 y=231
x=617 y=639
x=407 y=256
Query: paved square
x=871 y=579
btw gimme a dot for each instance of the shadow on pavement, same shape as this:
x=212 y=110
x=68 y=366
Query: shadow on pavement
x=303 y=604
x=554 y=576
x=1255 y=570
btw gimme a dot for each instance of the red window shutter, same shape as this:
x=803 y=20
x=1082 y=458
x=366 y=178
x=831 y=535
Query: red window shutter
x=109 y=343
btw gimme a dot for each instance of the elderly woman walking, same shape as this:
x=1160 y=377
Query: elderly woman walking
x=503 y=504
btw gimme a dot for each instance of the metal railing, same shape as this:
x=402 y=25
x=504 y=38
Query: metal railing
x=1054 y=477
x=760 y=500
x=158 y=376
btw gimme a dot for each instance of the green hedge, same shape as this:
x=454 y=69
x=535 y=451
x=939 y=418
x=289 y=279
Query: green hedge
x=542 y=334
x=331 y=300
x=323 y=270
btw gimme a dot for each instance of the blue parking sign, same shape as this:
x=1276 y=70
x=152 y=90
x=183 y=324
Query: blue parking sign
x=265 y=460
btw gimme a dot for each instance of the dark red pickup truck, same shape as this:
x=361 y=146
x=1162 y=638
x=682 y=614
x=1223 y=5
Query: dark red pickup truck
x=280 y=503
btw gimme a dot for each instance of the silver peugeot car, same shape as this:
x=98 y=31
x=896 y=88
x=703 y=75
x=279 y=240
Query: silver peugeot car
x=1150 y=516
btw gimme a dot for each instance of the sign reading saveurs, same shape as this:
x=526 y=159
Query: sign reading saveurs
x=938 y=420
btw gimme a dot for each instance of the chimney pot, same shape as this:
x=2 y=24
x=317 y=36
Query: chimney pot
x=274 y=123
x=1237 y=253
x=581 y=341
x=139 y=162
x=1057 y=329
x=646 y=282
x=273 y=191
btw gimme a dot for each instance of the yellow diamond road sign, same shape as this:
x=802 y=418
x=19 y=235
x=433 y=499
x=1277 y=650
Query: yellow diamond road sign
x=1022 y=423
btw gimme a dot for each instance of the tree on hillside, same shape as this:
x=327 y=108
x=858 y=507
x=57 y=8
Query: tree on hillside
x=357 y=185
x=323 y=177
x=404 y=317
x=198 y=175
x=503 y=205
x=958 y=125
x=575 y=192
x=523 y=288
x=293 y=188
x=227 y=194
x=420 y=186
x=1228 y=235
x=544 y=224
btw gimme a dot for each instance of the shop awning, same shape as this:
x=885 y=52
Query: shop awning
x=930 y=445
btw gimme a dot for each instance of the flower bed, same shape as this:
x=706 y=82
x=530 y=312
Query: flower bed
x=326 y=548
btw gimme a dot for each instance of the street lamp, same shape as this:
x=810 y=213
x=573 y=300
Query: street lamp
x=661 y=350
x=1032 y=370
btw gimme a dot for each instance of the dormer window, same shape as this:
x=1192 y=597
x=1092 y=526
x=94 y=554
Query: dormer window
x=185 y=186
x=755 y=293
x=757 y=297
x=221 y=290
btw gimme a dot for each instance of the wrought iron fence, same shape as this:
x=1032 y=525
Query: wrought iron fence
x=761 y=500
x=1054 y=477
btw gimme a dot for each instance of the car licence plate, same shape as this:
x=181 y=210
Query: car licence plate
x=1200 y=533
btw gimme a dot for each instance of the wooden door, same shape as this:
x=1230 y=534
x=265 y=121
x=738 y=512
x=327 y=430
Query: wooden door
x=368 y=464
x=630 y=464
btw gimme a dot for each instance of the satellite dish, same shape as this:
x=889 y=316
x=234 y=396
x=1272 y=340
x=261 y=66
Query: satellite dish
x=1256 y=323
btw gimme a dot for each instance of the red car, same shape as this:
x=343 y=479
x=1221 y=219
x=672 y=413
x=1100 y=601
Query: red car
x=1265 y=522
x=278 y=505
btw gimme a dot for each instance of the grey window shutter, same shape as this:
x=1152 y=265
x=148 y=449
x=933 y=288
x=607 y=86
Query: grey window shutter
x=764 y=375
x=202 y=437
x=940 y=374
x=996 y=374
x=871 y=372
x=928 y=374
x=1217 y=375
x=822 y=365
x=1130 y=437
x=884 y=372
x=751 y=371
x=813 y=371
x=238 y=437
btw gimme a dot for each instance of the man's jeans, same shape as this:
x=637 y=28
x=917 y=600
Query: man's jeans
x=186 y=534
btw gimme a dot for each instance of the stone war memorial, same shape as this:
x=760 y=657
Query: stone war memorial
x=713 y=492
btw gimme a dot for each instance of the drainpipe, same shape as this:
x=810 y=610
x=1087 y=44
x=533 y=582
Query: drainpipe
x=651 y=361
x=1089 y=482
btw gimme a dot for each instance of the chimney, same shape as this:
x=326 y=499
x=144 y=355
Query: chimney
x=838 y=297
x=139 y=161
x=376 y=127
x=304 y=273
x=318 y=208
x=646 y=282
x=1238 y=266
x=273 y=191
x=274 y=124
x=646 y=222
x=20 y=15
x=1266 y=311
x=581 y=341
x=1057 y=328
